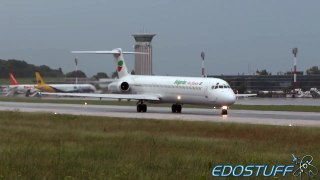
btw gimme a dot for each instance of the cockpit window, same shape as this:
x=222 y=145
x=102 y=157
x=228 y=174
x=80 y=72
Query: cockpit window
x=222 y=86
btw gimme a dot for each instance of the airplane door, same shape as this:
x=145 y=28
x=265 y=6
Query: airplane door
x=210 y=95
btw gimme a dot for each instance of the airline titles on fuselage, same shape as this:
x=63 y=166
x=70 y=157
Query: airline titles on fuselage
x=191 y=83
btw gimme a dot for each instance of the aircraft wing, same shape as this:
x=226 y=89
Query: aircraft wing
x=245 y=95
x=12 y=91
x=108 y=96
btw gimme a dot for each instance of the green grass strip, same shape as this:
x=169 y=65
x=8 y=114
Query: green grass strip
x=48 y=146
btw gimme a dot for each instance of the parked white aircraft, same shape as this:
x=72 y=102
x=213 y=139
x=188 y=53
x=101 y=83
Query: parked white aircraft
x=15 y=88
x=32 y=89
x=65 y=88
x=163 y=89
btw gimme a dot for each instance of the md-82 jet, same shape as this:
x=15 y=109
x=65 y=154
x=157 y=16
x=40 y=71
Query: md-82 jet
x=163 y=89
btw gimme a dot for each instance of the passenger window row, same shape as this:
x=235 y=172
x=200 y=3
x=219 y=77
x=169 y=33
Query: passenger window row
x=173 y=86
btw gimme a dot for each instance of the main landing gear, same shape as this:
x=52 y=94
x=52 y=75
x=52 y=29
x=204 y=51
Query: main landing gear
x=176 y=108
x=141 y=107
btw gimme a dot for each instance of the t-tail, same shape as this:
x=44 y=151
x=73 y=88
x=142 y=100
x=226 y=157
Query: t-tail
x=39 y=79
x=13 y=80
x=122 y=69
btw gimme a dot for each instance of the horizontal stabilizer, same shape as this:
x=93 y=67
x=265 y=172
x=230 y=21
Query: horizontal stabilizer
x=105 y=52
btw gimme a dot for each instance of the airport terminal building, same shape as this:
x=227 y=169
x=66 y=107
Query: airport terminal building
x=255 y=83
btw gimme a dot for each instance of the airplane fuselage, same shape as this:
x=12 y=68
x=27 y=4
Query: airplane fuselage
x=23 y=88
x=68 y=88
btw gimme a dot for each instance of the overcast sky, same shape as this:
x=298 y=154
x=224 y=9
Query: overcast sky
x=236 y=35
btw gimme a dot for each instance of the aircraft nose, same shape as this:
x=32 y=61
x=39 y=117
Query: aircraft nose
x=230 y=98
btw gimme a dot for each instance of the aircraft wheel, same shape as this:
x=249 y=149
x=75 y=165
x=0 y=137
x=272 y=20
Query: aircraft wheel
x=144 y=107
x=139 y=108
x=174 y=108
x=224 y=112
x=179 y=108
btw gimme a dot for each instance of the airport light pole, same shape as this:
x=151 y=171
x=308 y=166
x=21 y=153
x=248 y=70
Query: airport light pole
x=202 y=65
x=76 y=62
x=294 y=52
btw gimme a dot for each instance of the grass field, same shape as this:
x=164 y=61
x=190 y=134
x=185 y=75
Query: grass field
x=295 y=108
x=48 y=146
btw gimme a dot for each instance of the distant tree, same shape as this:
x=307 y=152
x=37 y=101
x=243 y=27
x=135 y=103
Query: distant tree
x=114 y=75
x=262 y=72
x=21 y=68
x=78 y=74
x=133 y=72
x=100 y=75
x=313 y=70
x=60 y=70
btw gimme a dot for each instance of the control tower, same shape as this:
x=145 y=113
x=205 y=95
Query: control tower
x=143 y=62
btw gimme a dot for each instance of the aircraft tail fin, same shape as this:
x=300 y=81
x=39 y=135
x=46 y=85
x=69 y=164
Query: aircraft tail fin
x=13 y=80
x=39 y=79
x=122 y=69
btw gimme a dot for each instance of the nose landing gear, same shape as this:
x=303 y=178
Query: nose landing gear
x=224 y=110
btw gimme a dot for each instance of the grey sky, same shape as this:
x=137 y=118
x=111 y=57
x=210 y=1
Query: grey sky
x=233 y=34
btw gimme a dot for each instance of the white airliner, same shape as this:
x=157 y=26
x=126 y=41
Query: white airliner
x=15 y=88
x=65 y=88
x=32 y=89
x=163 y=89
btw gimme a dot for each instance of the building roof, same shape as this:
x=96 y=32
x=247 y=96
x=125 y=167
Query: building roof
x=143 y=37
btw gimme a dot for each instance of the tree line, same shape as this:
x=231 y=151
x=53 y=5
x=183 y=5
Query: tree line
x=22 y=69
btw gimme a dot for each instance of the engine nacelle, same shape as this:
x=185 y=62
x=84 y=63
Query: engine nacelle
x=124 y=86
x=117 y=87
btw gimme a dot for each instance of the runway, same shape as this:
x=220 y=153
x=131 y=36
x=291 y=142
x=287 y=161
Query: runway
x=279 y=101
x=188 y=114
